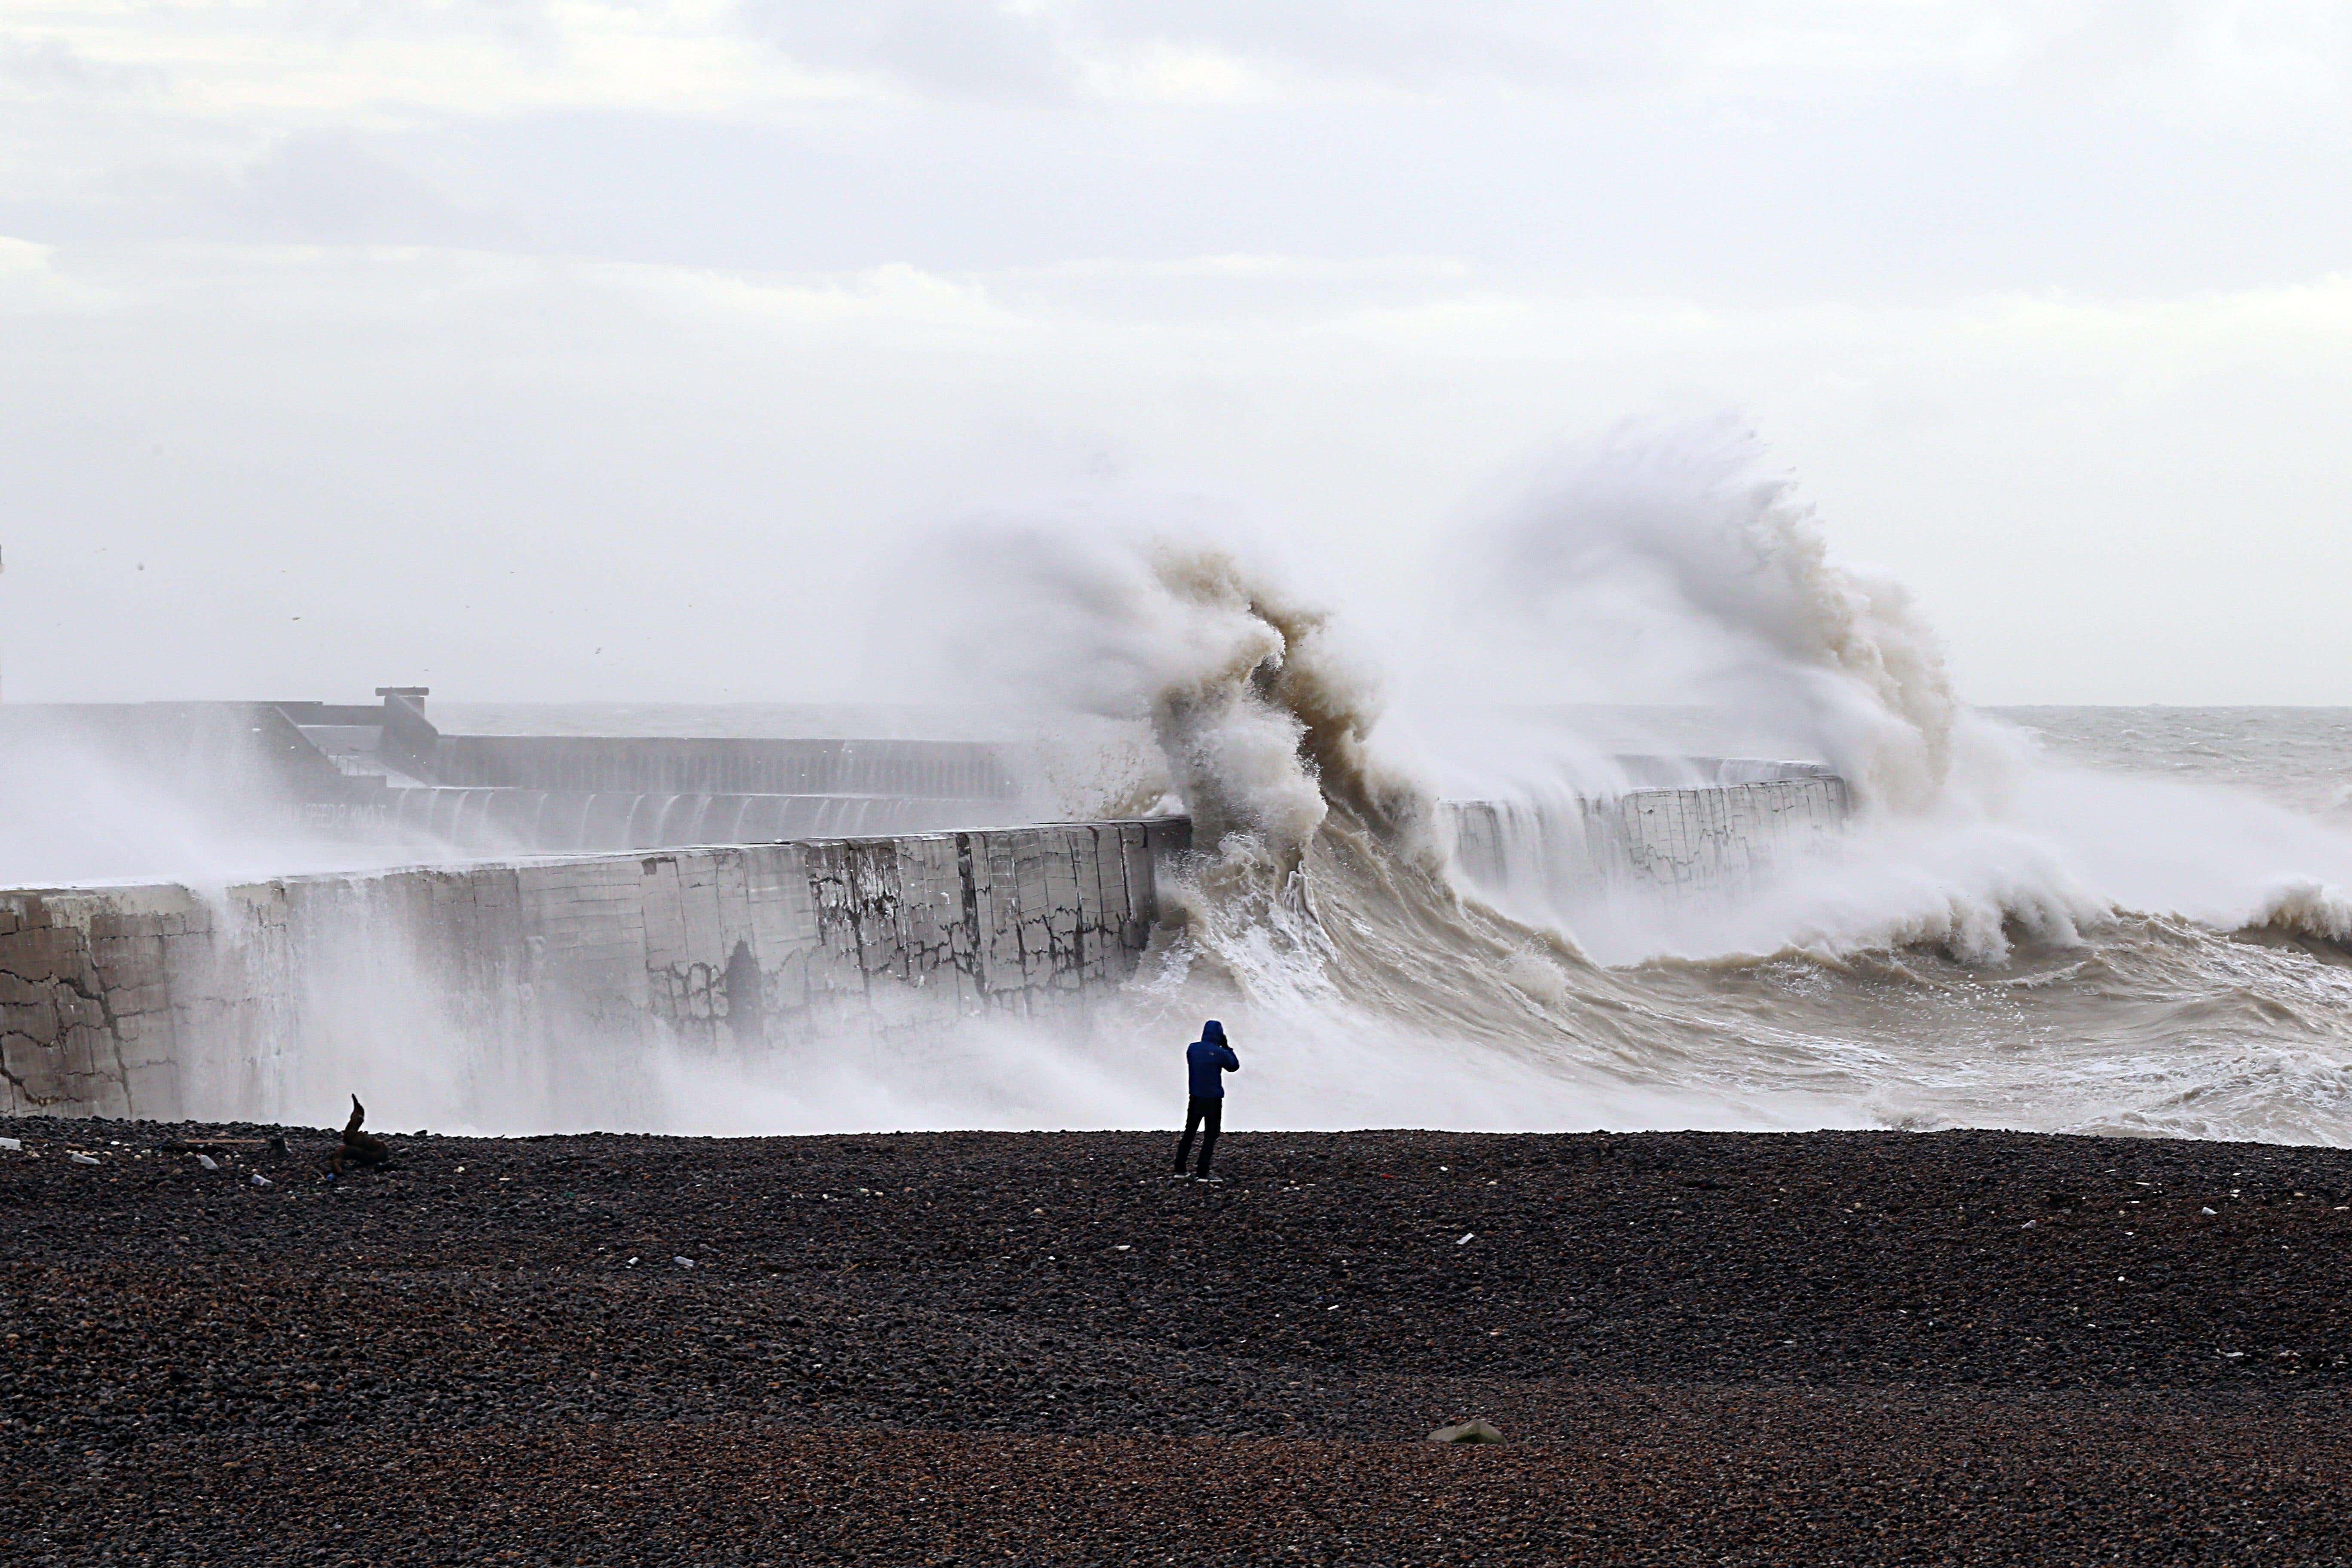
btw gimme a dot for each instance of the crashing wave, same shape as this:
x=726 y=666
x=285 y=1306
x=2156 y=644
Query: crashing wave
x=2305 y=907
x=1966 y=955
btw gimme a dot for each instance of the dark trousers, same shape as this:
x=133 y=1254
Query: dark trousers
x=1205 y=1116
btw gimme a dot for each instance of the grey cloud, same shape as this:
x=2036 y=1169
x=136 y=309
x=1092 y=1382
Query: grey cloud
x=514 y=22
x=957 y=47
x=1407 y=43
x=980 y=50
x=311 y=188
x=50 y=66
x=328 y=185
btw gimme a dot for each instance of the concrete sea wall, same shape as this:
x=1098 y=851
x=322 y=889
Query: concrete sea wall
x=156 y=1002
x=549 y=984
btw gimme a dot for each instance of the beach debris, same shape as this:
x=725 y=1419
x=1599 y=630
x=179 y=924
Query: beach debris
x=258 y=1179
x=363 y=1148
x=1472 y=1431
x=208 y=1162
x=79 y=1158
x=683 y=1262
x=14 y=1145
x=2208 y=1211
x=1466 y=1237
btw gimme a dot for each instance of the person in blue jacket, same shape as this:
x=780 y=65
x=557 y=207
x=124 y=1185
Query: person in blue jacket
x=1207 y=1059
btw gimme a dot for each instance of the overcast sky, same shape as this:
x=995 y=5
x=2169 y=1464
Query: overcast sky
x=544 y=351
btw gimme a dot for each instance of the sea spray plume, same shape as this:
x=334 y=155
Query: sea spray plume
x=1261 y=716
x=1678 y=547
x=1264 y=723
x=1235 y=750
x=1327 y=701
x=163 y=793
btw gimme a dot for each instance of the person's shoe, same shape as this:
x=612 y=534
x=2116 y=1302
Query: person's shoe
x=1179 y=1175
x=1213 y=1181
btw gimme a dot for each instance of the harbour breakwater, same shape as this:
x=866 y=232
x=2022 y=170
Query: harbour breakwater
x=164 y=1002
x=520 y=982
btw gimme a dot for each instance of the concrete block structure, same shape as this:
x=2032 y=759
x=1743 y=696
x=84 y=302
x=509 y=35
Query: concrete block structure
x=153 y=1001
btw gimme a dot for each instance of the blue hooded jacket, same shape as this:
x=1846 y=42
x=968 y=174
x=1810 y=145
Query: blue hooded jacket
x=1210 y=1058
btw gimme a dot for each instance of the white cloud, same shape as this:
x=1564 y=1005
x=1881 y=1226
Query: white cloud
x=1163 y=72
x=895 y=305
x=29 y=284
x=2307 y=327
x=279 y=62
x=512 y=462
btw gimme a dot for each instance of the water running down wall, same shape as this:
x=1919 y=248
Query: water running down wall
x=1688 y=839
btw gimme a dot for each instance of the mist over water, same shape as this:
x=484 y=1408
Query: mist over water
x=178 y=796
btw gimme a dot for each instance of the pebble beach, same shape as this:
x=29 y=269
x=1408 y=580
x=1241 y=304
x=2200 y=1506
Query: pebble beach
x=1826 y=1347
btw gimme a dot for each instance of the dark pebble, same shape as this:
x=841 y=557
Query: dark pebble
x=1831 y=1348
